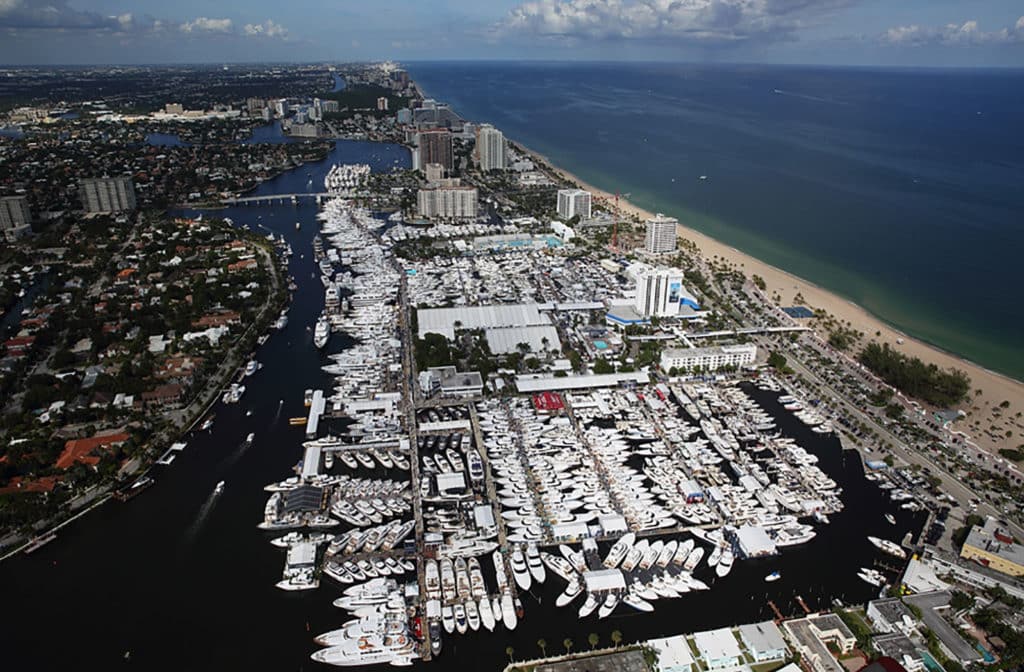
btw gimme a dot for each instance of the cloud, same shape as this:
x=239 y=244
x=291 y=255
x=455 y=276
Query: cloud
x=952 y=34
x=707 y=22
x=266 y=29
x=51 y=14
x=201 y=24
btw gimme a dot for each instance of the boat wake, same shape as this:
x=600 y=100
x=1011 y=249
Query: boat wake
x=204 y=513
x=231 y=459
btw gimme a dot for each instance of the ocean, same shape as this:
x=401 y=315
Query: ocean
x=898 y=189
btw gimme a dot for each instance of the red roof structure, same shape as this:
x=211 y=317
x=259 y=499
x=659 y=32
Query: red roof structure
x=79 y=450
x=548 y=402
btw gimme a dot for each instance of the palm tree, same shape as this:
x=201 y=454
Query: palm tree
x=543 y=646
x=616 y=637
x=567 y=643
x=508 y=652
x=593 y=639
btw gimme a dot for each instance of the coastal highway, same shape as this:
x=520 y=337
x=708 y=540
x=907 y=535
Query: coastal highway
x=948 y=483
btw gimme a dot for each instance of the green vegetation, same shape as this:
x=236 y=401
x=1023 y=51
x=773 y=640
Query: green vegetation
x=778 y=362
x=961 y=600
x=960 y=534
x=1013 y=454
x=912 y=376
x=431 y=350
x=860 y=629
x=759 y=282
x=363 y=98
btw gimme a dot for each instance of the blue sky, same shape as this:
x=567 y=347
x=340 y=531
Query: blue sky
x=868 y=32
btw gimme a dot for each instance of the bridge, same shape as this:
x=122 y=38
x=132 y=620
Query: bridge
x=271 y=199
x=748 y=331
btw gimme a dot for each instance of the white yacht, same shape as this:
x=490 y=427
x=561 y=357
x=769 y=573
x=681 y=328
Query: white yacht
x=322 y=333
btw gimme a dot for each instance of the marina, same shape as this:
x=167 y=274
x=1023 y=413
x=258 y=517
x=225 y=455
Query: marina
x=375 y=425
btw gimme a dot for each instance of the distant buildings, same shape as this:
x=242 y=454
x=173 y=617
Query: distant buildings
x=660 y=292
x=174 y=108
x=404 y=116
x=661 y=234
x=433 y=146
x=15 y=217
x=329 y=106
x=382 y=104
x=708 y=359
x=447 y=201
x=107 y=194
x=994 y=548
x=573 y=202
x=490 y=148
x=432 y=114
x=255 y=105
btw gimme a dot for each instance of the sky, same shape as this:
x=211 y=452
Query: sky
x=827 y=32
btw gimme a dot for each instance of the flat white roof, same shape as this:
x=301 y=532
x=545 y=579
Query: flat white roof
x=451 y=481
x=526 y=383
x=604 y=579
x=311 y=462
x=504 y=340
x=444 y=426
x=754 y=540
x=483 y=515
x=442 y=320
x=762 y=637
x=715 y=645
x=302 y=553
x=674 y=654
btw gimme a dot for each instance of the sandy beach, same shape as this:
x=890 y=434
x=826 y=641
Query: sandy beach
x=994 y=388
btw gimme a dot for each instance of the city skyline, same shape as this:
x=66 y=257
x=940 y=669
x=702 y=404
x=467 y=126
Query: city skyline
x=828 y=32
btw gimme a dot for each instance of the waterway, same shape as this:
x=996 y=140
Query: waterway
x=183 y=580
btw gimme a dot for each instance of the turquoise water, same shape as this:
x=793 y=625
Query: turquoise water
x=897 y=189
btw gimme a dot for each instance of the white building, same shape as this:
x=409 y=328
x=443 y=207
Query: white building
x=660 y=292
x=661 y=234
x=15 y=217
x=563 y=231
x=718 y=648
x=490 y=148
x=572 y=202
x=709 y=359
x=107 y=194
x=447 y=202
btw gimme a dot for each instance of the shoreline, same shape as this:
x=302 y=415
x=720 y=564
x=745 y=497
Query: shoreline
x=995 y=387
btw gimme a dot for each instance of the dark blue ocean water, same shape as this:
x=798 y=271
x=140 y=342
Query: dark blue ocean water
x=901 y=190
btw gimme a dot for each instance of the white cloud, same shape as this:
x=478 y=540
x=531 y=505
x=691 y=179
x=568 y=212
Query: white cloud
x=967 y=33
x=694 y=21
x=266 y=29
x=203 y=24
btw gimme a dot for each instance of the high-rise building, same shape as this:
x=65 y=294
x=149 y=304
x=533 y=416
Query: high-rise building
x=404 y=116
x=15 y=217
x=447 y=202
x=281 y=107
x=572 y=202
x=490 y=148
x=107 y=194
x=255 y=105
x=661 y=234
x=329 y=106
x=660 y=292
x=382 y=104
x=434 y=146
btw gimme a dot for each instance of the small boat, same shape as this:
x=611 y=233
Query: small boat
x=461 y=624
x=249 y=438
x=774 y=576
x=298 y=226
x=890 y=518
x=219 y=488
x=571 y=592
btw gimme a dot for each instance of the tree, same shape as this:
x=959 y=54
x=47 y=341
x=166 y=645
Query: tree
x=616 y=637
x=567 y=643
x=543 y=646
x=593 y=639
